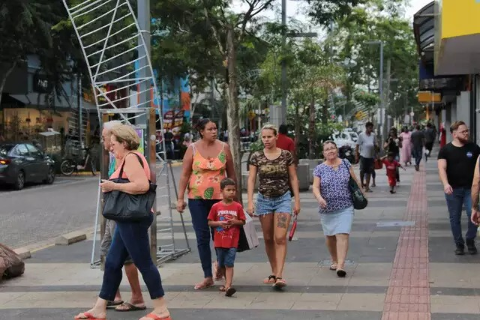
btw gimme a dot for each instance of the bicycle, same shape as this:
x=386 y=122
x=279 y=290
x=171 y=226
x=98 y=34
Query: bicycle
x=70 y=165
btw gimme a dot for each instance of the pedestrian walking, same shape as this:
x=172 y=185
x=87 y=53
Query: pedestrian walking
x=456 y=167
x=205 y=164
x=430 y=136
x=392 y=145
x=136 y=301
x=365 y=153
x=406 y=149
x=130 y=238
x=285 y=142
x=418 y=142
x=330 y=188
x=227 y=217
x=278 y=175
x=391 y=166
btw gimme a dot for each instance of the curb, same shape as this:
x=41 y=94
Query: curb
x=24 y=253
x=70 y=238
x=28 y=250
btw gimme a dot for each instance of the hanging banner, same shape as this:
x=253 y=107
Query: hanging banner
x=179 y=119
x=168 y=120
x=141 y=148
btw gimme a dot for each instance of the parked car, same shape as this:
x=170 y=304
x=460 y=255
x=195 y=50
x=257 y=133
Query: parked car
x=22 y=163
x=345 y=138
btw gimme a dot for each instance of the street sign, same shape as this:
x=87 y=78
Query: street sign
x=251 y=115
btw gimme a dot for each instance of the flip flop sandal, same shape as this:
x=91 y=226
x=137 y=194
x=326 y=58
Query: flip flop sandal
x=280 y=283
x=341 y=273
x=333 y=266
x=111 y=304
x=230 y=292
x=222 y=289
x=270 y=280
x=89 y=316
x=155 y=317
x=202 y=286
x=129 y=307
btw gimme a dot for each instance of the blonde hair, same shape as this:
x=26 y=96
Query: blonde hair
x=125 y=133
x=270 y=127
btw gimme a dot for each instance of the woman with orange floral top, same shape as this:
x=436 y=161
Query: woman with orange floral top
x=205 y=164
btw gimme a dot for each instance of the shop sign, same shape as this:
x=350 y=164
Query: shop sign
x=41 y=84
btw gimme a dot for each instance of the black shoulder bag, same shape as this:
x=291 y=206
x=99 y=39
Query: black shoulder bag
x=125 y=207
x=358 y=199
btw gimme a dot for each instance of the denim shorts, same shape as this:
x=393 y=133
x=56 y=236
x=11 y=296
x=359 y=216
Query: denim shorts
x=226 y=257
x=282 y=204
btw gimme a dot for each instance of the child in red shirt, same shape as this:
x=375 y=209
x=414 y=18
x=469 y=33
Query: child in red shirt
x=391 y=165
x=227 y=217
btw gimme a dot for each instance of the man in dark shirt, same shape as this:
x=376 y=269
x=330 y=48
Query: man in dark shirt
x=418 y=142
x=456 y=166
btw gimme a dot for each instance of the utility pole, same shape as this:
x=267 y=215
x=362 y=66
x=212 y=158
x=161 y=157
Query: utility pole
x=386 y=101
x=143 y=12
x=283 y=117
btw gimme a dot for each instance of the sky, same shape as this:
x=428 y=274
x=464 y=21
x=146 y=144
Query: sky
x=294 y=9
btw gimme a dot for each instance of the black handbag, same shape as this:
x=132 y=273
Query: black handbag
x=125 y=207
x=358 y=199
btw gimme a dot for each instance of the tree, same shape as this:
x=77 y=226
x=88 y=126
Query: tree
x=24 y=29
x=376 y=21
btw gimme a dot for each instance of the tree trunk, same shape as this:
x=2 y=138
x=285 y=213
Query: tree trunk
x=311 y=130
x=325 y=113
x=233 y=110
x=3 y=78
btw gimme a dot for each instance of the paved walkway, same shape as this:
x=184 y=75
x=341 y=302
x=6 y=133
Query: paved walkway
x=401 y=266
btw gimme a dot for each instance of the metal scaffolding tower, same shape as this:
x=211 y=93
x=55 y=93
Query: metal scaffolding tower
x=124 y=87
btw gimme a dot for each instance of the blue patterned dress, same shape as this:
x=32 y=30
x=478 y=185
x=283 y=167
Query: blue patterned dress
x=337 y=217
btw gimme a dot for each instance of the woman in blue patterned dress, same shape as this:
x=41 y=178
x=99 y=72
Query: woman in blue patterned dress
x=330 y=187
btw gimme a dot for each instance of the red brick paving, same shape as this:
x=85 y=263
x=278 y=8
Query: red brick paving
x=408 y=295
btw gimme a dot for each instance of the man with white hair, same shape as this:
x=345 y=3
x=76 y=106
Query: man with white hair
x=136 y=302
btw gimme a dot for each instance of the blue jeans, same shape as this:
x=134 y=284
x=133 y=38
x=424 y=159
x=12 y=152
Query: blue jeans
x=226 y=257
x=130 y=238
x=417 y=154
x=282 y=204
x=199 y=209
x=455 y=202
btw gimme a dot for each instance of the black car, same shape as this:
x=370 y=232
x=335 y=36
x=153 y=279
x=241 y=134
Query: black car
x=22 y=163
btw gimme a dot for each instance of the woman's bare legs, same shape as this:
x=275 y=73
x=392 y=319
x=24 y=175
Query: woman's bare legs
x=332 y=249
x=282 y=221
x=267 y=222
x=342 y=249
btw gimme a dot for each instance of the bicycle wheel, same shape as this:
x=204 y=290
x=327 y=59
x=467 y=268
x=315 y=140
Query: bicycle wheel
x=67 y=167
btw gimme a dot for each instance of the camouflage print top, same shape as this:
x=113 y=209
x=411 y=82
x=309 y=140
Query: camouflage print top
x=273 y=174
x=206 y=176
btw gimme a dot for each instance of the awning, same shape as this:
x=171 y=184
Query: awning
x=458 y=33
x=38 y=100
x=424 y=31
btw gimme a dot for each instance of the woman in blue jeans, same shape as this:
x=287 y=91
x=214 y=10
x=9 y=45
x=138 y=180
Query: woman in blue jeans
x=205 y=164
x=130 y=238
x=278 y=175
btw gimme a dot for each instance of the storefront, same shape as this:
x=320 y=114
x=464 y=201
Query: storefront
x=447 y=48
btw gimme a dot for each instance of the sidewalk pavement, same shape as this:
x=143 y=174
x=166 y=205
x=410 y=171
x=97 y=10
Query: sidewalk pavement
x=401 y=266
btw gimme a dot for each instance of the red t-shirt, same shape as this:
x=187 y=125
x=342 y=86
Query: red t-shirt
x=391 y=167
x=226 y=237
x=286 y=143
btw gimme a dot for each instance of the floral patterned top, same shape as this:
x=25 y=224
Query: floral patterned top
x=334 y=186
x=206 y=176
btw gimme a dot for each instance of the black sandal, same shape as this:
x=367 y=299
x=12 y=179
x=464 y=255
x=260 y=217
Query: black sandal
x=268 y=280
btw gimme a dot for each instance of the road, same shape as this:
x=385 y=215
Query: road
x=39 y=213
